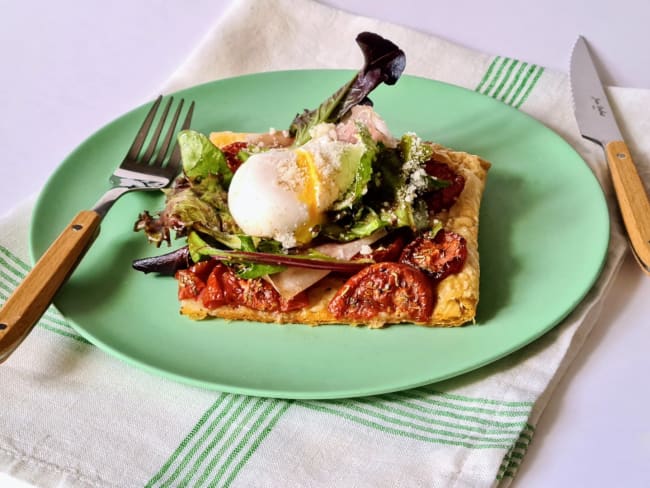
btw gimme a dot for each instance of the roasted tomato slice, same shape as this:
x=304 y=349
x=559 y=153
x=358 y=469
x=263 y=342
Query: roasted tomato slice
x=202 y=269
x=192 y=281
x=216 y=284
x=443 y=198
x=231 y=151
x=387 y=248
x=213 y=295
x=252 y=293
x=437 y=256
x=189 y=285
x=387 y=288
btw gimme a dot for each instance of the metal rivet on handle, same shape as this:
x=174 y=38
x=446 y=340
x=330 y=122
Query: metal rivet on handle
x=620 y=156
x=3 y=326
x=77 y=227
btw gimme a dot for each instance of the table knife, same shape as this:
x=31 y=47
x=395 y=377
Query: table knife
x=597 y=123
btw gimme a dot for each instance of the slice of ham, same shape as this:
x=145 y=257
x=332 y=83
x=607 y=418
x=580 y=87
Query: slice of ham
x=292 y=280
x=347 y=129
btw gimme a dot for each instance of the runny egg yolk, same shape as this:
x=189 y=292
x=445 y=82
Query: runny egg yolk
x=309 y=195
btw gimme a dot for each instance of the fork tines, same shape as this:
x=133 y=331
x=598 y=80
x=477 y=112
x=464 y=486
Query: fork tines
x=155 y=154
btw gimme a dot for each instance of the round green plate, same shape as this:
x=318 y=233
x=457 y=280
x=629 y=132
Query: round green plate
x=544 y=232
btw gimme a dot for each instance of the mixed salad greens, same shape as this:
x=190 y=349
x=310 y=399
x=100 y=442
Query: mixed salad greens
x=384 y=195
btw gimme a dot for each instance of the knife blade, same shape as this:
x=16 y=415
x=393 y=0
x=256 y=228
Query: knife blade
x=597 y=123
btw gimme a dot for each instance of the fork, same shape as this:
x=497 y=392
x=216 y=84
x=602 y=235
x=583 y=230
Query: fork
x=152 y=169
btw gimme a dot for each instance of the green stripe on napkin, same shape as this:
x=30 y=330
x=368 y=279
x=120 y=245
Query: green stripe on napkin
x=509 y=80
x=230 y=431
x=221 y=443
x=515 y=455
x=434 y=417
x=12 y=272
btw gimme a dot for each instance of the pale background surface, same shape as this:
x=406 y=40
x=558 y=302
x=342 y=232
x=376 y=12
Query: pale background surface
x=69 y=67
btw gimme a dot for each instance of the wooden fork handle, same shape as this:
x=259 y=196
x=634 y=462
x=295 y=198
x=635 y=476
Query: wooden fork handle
x=632 y=200
x=29 y=301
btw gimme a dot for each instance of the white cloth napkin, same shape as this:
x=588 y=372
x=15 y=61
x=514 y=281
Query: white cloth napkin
x=73 y=416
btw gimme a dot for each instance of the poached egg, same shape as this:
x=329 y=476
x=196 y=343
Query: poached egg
x=284 y=193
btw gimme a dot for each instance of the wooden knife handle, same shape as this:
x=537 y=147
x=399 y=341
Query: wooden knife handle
x=33 y=296
x=632 y=200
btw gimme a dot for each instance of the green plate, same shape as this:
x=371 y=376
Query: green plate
x=543 y=239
